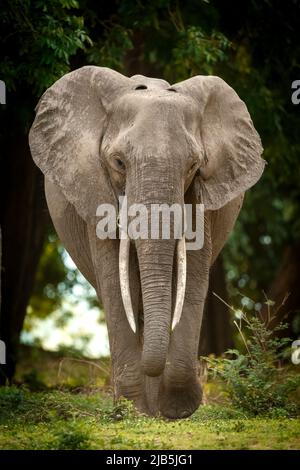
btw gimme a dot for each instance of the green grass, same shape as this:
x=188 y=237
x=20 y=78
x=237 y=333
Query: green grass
x=64 y=402
x=88 y=420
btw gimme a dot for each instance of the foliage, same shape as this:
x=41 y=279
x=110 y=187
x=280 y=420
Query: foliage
x=123 y=409
x=255 y=379
x=112 y=49
x=196 y=53
x=39 y=38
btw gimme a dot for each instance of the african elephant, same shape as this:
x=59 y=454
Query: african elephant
x=98 y=135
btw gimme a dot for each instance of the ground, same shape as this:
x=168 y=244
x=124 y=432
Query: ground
x=74 y=410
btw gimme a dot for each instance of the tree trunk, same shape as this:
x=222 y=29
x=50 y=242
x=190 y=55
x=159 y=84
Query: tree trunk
x=23 y=222
x=284 y=291
x=216 y=332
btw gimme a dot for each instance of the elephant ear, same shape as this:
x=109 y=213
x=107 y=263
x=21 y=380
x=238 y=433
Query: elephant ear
x=231 y=144
x=66 y=135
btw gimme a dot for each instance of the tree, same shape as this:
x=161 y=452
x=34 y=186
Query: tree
x=264 y=251
x=38 y=39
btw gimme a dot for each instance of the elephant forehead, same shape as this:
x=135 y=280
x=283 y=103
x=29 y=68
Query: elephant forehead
x=156 y=108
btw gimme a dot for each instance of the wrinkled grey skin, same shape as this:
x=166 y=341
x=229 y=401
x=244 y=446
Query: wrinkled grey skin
x=192 y=142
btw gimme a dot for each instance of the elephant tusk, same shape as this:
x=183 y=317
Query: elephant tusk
x=181 y=281
x=124 y=281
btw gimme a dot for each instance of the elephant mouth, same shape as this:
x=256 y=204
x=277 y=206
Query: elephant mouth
x=124 y=277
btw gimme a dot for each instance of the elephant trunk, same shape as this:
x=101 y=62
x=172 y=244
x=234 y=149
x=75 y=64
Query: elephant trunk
x=150 y=185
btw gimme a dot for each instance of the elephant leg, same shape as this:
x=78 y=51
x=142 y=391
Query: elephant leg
x=180 y=390
x=71 y=229
x=125 y=346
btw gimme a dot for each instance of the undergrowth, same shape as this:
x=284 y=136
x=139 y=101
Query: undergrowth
x=257 y=380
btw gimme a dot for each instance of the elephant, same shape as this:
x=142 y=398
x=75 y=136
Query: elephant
x=98 y=135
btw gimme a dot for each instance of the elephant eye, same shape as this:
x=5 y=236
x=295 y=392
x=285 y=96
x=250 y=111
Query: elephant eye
x=119 y=164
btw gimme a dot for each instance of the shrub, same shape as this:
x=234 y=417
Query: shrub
x=256 y=379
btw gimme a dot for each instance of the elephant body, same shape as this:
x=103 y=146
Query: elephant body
x=128 y=377
x=98 y=135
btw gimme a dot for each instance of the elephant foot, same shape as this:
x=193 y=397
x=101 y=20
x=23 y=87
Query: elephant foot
x=179 y=401
x=128 y=383
x=137 y=398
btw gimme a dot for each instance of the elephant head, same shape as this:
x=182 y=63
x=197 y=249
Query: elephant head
x=99 y=134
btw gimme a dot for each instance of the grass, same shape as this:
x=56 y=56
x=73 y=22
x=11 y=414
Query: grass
x=87 y=420
x=61 y=413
